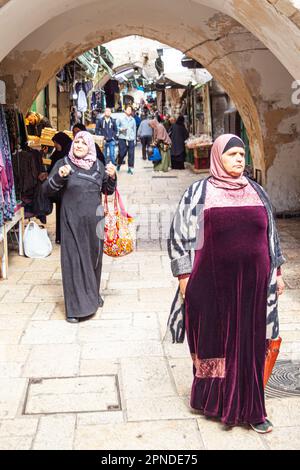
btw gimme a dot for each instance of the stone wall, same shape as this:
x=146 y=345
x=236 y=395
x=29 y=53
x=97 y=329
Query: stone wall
x=250 y=47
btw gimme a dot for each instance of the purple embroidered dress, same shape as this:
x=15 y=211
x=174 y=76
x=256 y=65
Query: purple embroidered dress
x=226 y=299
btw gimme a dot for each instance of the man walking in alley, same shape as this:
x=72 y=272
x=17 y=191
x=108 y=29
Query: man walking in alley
x=127 y=138
x=107 y=127
x=145 y=134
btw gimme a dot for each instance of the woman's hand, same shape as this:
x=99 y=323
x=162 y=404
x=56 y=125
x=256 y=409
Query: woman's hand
x=64 y=171
x=43 y=176
x=182 y=286
x=280 y=285
x=111 y=170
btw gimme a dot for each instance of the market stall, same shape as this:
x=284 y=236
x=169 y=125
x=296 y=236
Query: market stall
x=12 y=137
x=201 y=147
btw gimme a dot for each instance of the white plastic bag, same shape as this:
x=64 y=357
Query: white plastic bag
x=37 y=244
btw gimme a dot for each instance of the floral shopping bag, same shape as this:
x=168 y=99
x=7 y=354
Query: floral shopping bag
x=118 y=238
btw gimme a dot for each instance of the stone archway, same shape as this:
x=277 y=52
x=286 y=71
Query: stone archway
x=253 y=72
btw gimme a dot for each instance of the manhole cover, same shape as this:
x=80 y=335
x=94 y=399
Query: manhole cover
x=285 y=380
x=72 y=395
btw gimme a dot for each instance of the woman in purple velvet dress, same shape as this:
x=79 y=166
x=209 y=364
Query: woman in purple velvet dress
x=228 y=287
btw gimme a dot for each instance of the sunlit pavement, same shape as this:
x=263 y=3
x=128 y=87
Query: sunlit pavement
x=111 y=382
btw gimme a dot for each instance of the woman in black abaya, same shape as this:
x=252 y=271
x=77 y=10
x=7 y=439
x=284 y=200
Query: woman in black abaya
x=178 y=135
x=62 y=144
x=81 y=178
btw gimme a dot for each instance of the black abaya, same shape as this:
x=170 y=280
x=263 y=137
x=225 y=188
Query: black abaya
x=81 y=249
x=178 y=135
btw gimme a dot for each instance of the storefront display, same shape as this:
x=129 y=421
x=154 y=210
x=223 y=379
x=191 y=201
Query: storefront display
x=7 y=190
x=201 y=146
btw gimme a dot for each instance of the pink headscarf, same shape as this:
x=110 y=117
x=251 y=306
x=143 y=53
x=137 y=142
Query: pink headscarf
x=86 y=162
x=220 y=178
x=160 y=132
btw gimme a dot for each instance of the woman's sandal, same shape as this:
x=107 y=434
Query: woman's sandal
x=263 y=428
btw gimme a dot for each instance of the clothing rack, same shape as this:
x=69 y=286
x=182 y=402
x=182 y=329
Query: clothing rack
x=12 y=135
x=17 y=219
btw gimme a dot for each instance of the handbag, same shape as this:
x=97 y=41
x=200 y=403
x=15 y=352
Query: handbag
x=42 y=205
x=154 y=154
x=118 y=239
x=37 y=244
x=271 y=356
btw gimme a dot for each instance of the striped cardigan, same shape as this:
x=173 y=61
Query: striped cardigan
x=183 y=239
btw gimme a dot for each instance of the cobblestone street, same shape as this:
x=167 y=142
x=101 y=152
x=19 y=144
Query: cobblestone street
x=111 y=382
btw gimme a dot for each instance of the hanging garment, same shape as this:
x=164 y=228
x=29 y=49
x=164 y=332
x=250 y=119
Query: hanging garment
x=110 y=88
x=82 y=102
x=9 y=198
x=22 y=132
x=93 y=100
x=12 y=127
x=27 y=165
x=88 y=86
x=3 y=188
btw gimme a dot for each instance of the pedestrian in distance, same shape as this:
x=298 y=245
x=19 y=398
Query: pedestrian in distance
x=179 y=135
x=137 y=119
x=107 y=127
x=162 y=141
x=127 y=139
x=62 y=144
x=145 y=134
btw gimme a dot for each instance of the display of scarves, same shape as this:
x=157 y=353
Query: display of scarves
x=8 y=199
x=2 y=179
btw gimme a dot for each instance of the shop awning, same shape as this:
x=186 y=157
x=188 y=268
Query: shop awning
x=197 y=77
x=185 y=78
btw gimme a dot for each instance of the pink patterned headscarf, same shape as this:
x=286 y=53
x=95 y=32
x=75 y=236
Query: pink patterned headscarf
x=220 y=178
x=86 y=162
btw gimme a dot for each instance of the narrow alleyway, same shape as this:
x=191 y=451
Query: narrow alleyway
x=110 y=382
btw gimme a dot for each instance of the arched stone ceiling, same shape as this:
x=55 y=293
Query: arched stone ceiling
x=274 y=22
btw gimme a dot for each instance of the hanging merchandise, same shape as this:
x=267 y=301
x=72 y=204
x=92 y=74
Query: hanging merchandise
x=23 y=137
x=93 y=100
x=12 y=127
x=27 y=166
x=88 y=86
x=16 y=128
x=8 y=202
x=3 y=188
x=82 y=102
x=111 y=88
x=97 y=100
